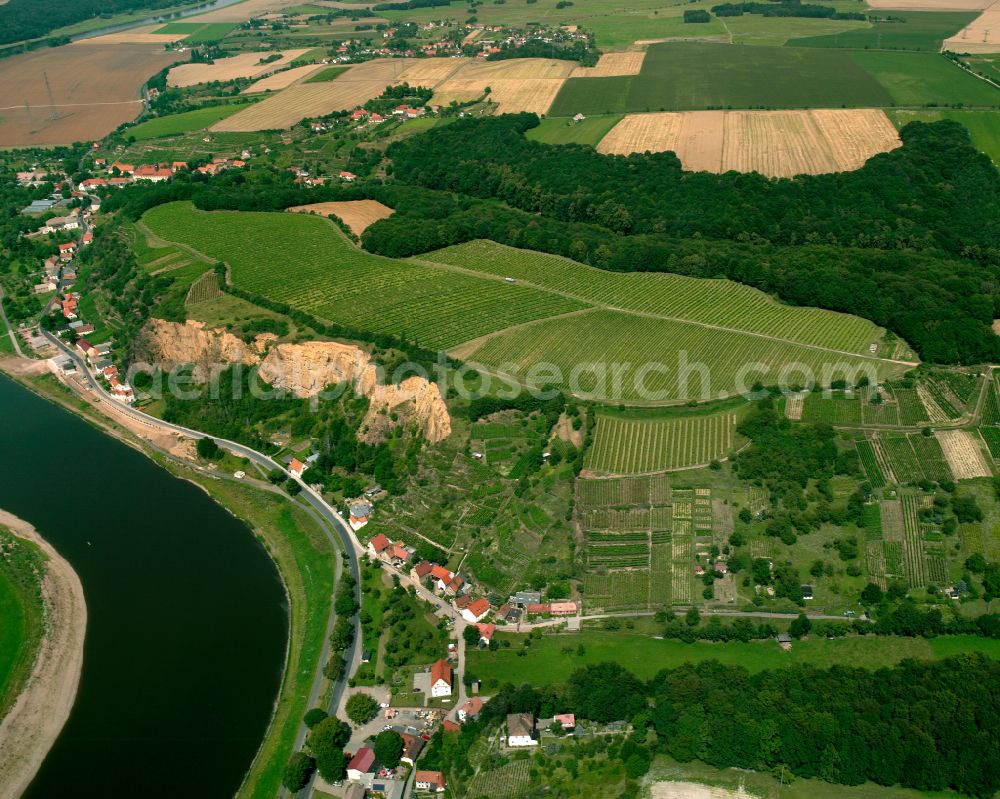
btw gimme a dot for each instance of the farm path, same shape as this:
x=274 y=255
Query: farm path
x=631 y=312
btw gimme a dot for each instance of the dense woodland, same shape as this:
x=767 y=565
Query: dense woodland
x=897 y=241
x=927 y=726
x=25 y=19
x=789 y=8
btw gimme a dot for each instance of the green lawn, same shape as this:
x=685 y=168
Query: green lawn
x=560 y=130
x=983 y=126
x=546 y=663
x=917 y=30
x=327 y=74
x=694 y=75
x=21 y=614
x=173 y=124
x=924 y=79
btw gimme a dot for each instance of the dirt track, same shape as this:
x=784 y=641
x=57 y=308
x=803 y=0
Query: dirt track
x=37 y=717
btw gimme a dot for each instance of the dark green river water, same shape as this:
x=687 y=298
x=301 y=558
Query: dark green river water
x=187 y=621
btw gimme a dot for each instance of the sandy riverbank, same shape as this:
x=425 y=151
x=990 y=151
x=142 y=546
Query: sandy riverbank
x=28 y=731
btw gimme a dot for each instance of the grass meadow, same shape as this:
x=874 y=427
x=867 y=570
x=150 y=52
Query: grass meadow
x=925 y=79
x=197 y=32
x=552 y=658
x=559 y=130
x=173 y=124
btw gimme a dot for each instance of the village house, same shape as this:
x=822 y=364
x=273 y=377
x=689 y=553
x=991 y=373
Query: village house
x=421 y=571
x=441 y=576
x=88 y=237
x=348 y=177
x=296 y=467
x=429 y=781
x=121 y=168
x=359 y=515
x=154 y=173
x=122 y=391
x=477 y=610
x=92 y=183
x=522 y=598
x=521 y=729
x=362 y=764
x=507 y=614
x=470 y=710
x=67 y=251
x=412 y=746
x=378 y=545
x=57 y=223
x=440 y=679
x=486 y=632
x=566 y=720
x=720 y=567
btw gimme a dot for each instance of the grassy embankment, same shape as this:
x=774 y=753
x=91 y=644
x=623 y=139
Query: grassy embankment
x=552 y=658
x=21 y=612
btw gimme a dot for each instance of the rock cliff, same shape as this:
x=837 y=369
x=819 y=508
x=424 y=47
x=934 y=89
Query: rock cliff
x=305 y=370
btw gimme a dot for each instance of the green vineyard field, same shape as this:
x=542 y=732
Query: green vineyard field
x=632 y=446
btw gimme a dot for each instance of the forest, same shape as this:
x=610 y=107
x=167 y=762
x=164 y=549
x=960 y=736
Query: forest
x=785 y=9
x=922 y=725
x=23 y=19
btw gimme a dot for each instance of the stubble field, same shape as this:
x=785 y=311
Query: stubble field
x=982 y=35
x=245 y=65
x=774 y=143
x=95 y=89
x=356 y=214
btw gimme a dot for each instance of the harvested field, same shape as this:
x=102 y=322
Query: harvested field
x=611 y=64
x=356 y=214
x=931 y=5
x=982 y=35
x=431 y=71
x=964 y=454
x=245 y=65
x=356 y=86
x=520 y=84
x=241 y=12
x=282 y=80
x=143 y=35
x=694 y=790
x=95 y=89
x=773 y=143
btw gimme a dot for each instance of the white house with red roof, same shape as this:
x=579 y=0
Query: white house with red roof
x=358 y=516
x=470 y=710
x=361 y=764
x=347 y=177
x=378 y=545
x=296 y=467
x=476 y=611
x=429 y=781
x=486 y=632
x=440 y=679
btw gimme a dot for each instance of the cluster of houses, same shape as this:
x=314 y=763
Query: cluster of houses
x=99 y=358
x=366 y=775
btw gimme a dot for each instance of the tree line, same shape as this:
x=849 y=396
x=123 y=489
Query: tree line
x=929 y=726
x=22 y=19
x=788 y=8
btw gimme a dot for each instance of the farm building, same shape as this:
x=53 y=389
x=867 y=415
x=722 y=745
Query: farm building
x=429 y=781
x=521 y=730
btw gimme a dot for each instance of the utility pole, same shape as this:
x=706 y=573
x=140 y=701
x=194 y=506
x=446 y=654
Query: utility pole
x=53 y=114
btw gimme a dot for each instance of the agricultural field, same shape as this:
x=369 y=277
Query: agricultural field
x=612 y=64
x=505 y=782
x=281 y=80
x=963 y=451
x=912 y=457
x=328 y=74
x=174 y=124
x=981 y=35
x=924 y=79
x=869 y=463
x=983 y=126
x=283 y=109
x=432 y=307
x=244 y=65
x=356 y=214
x=773 y=143
x=193 y=33
x=95 y=89
x=517 y=84
x=910 y=30
x=558 y=130
x=721 y=303
x=680 y=76
x=635 y=446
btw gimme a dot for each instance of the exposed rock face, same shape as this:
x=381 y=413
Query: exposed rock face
x=173 y=344
x=305 y=370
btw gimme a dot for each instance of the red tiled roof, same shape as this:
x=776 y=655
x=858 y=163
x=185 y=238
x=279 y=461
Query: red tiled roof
x=379 y=543
x=432 y=777
x=486 y=630
x=479 y=607
x=441 y=671
x=450 y=726
x=423 y=569
x=295 y=465
x=463 y=601
x=440 y=573
x=363 y=760
x=473 y=706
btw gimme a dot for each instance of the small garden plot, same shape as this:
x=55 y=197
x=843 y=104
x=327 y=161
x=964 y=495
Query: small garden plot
x=618 y=556
x=937 y=570
x=991 y=435
x=762 y=548
x=612 y=519
x=891 y=512
x=604 y=536
x=930 y=457
x=681 y=576
x=505 y=782
x=205 y=288
x=911 y=410
x=616 y=589
x=898 y=453
x=660 y=575
x=963 y=452
x=835 y=408
x=879 y=406
x=793 y=406
x=883 y=561
x=661 y=518
x=872 y=518
x=621 y=491
x=914 y=565
x=869 y=463
x=991 y=407
x=758 y=500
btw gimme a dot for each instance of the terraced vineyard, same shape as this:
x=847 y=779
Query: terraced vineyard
x=634 y=446
x=714 y=302
x=308 y=264
x=676 y=361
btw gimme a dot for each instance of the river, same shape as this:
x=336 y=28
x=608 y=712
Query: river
x=187 y=619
